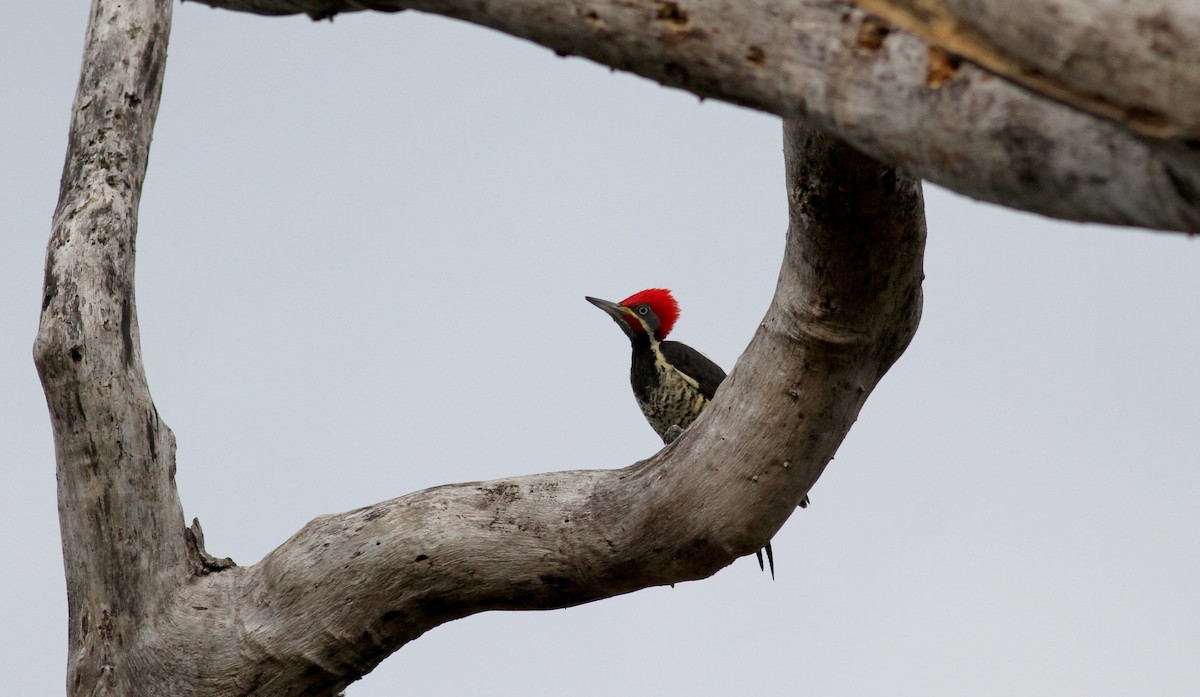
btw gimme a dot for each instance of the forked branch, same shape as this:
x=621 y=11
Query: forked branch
x=152 y=613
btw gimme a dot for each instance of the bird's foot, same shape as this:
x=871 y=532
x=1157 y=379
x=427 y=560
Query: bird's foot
x=672 y=433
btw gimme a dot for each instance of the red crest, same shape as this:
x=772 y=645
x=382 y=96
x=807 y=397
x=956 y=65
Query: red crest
x=661 y=302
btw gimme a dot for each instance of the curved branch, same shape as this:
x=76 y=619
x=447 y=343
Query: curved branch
x=853 y=75
x=347 y=590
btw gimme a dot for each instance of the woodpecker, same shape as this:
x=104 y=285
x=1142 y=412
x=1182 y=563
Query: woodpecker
x=672 y=382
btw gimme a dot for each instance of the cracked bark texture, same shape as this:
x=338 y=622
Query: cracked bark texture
x=123 y=548
x=152 y=613
x=1074 y=109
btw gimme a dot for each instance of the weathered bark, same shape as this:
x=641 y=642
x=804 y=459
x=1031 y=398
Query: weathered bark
x=1125 y=158
x=152 y=614
x=1134 y=62
x=123 y=544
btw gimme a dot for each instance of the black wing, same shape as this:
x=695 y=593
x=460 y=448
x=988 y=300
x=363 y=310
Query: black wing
x=695 y=365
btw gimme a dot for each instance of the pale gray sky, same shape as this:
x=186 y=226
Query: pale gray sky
x=363 y=254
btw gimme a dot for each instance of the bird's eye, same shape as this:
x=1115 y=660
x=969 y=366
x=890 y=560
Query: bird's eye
x=642 y=310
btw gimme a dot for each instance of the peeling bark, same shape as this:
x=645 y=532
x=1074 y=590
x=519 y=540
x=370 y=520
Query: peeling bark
x=1096 y=125
x=1137 y=63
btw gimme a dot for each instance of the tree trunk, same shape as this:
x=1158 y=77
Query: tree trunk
x=1050 y=108
x=151 y=613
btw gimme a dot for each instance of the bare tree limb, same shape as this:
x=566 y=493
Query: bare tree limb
x=918 y=106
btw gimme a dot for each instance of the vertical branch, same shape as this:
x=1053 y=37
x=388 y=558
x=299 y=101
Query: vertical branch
x=121 y=520
x=856 y=242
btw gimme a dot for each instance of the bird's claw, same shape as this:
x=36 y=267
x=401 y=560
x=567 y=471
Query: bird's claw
x=672 y=433
x=770 y=559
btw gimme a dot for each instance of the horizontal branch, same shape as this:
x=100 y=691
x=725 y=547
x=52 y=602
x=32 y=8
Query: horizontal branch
x=349 y=589
x=886 y=92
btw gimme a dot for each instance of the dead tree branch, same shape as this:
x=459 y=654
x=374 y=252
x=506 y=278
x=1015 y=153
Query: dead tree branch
x=152 y=613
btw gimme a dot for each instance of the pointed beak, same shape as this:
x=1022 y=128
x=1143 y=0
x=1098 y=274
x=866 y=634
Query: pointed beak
x=616 y=311
x=613 y=309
